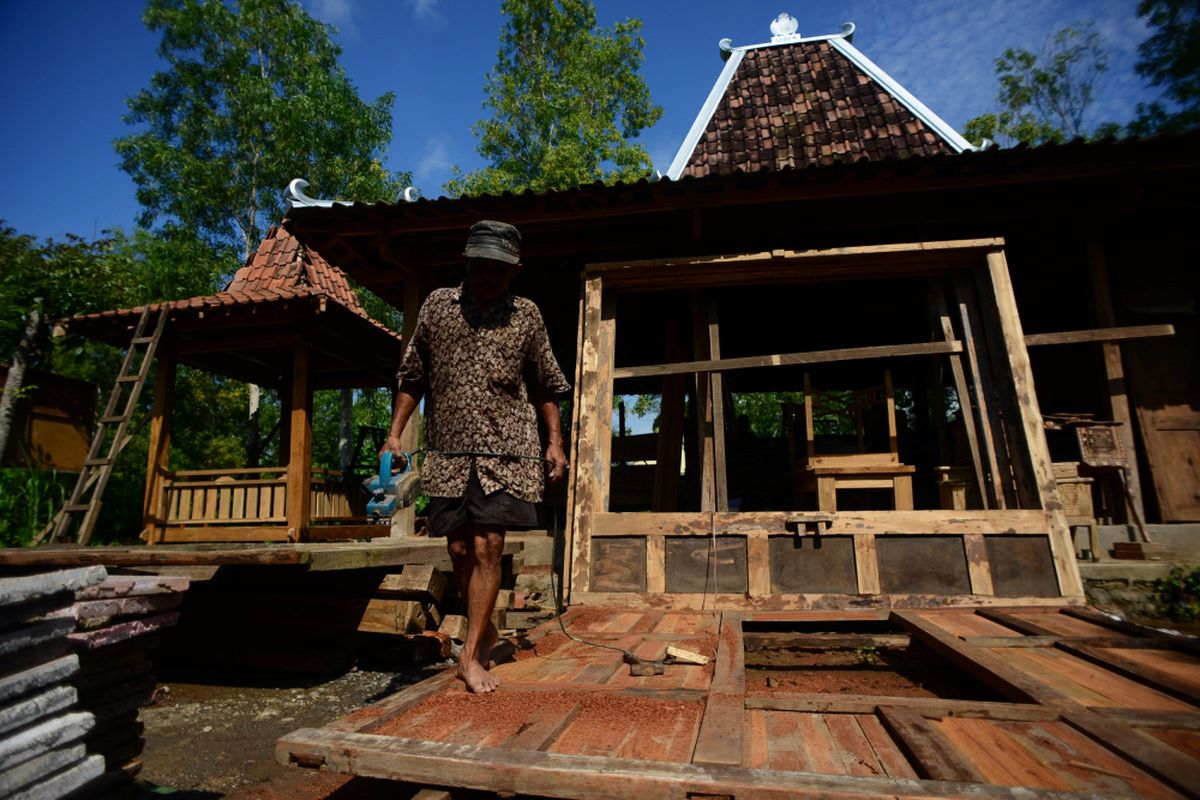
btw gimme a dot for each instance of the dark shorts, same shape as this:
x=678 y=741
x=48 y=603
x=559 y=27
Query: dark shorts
x=448 y=514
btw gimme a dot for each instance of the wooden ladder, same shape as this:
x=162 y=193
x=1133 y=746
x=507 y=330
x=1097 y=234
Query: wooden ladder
x=102 y=455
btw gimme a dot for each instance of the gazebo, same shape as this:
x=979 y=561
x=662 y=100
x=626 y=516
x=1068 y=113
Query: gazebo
x=289 y=321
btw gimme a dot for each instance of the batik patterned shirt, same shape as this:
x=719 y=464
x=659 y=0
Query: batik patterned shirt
x=481 y=374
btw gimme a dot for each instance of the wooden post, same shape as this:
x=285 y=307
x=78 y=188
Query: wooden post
x=989 y=421
x=670 y=428
x=154 y=513
x=1114 y=367
x=299 y=467
x=1030 y=418
x=404 y=520
x=593 y=397
x=572 y=458
x=938 y=308
x=705 y=445
x=717 y=393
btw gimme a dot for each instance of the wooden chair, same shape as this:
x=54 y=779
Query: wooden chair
x=858 y=467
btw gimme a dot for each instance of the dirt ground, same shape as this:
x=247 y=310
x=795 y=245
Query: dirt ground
x=212 y=735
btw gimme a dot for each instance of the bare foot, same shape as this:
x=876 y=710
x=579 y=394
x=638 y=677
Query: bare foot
x=477 y=679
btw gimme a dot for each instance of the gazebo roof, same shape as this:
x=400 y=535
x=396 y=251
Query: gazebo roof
x=283 y=293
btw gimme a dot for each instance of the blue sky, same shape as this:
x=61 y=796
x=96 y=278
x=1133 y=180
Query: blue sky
x=68 y=65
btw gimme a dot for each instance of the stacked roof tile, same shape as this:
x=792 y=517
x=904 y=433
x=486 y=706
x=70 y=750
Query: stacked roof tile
x=806 y=103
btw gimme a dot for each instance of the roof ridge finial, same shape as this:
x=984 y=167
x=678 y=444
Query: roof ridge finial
x=784 y=28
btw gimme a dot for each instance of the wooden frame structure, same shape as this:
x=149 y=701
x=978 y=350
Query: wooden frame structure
x=1080 y=706
x=622 y=558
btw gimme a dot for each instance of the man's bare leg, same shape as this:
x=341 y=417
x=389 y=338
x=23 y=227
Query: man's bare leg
x=483 y=549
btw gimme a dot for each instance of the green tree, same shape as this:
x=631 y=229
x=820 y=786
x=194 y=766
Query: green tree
x=1044 y=98
x=566 y=99
x=1170 y=58
x=252 y=97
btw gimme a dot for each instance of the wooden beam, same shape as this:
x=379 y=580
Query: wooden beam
x=241 y=340
x=717 y=394
x=790 y=359
x=966 y=409
x=704 y=409
x=925 y=706
x=989 y=422
x=593 y=398
x=299 y=474
x=572 y=458
x=154 y=512
x=1099 y=335
x=1061 y=547
x=578 y=777
x=934 y=756
x=1114 y=367
x=1030 y=522
x=720 y=738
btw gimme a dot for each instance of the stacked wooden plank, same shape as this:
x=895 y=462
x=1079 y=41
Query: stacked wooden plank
x=42 y=731
x=118 y=623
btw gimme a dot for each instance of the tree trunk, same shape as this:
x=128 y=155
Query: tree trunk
x=16 y=374
x=346 y=431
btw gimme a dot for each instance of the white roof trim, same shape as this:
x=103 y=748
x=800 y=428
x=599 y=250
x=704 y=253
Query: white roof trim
x=841 y=43
x=706 y=111
x=922 y=112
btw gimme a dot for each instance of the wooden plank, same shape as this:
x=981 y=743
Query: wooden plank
x=1108 y=621
x=1069 y=581
x=1141 y=718
x=723 y=724
x=1159 y=759
x=43 y=736
x=978 y=564
x=780 y=260
x=416 y=581
x=774 y=523
x=1154 y=677
x=589 y=464
x=888 y=754
x=30 y=771
x=541 y=729
x=991 y=740
x=154 y=513
x=717 y=395
x=978 y=663
x=988 y=419
x=1093 y=335
x=1114 y=368
x=965 y=405
x=926 y=747
x=822 y=703
x=758 y=564
x=790 y=359
x=703 y=417
x=656 y=561
x=567 y=572
x=38 y=706
x=866 y=564
x=670 y=429
x=792 y=602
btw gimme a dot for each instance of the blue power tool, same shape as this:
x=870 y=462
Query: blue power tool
x=384 y=489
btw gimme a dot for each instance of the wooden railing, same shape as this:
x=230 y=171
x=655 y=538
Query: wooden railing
x=249 y=496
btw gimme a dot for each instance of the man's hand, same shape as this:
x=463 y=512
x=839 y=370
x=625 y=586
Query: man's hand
x=393 y=446
x=556 y=463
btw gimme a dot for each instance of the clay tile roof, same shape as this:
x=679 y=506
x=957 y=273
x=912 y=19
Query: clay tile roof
x=809 y=102
x=282 y=269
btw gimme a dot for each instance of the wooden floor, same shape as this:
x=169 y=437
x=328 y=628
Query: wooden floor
x=315 y=556
x=1077 y=705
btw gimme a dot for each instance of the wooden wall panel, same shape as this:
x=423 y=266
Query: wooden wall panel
x=1021 y=566
x=687 y=564
x=922 y=565
x=811 y=565
x=619 y=564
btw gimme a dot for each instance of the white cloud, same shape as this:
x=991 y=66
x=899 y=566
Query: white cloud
x=426 y=10
x=433 y=169
x=339 y=13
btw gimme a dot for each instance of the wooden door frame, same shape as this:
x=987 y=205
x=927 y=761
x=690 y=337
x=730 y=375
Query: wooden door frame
x=589 y=518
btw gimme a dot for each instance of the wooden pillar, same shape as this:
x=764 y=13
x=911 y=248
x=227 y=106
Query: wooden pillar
x=404 y=520
x=1114 y=367
x=299 y=466
x=154 y=509
x=1030 y=424
x=593 y=398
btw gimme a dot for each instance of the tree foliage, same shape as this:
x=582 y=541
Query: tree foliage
x=566 y=99
x=1170 y=58
x=251 y=98
x=1045 y=98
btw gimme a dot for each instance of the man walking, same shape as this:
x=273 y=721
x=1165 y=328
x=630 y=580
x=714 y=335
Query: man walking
x=481 y=358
